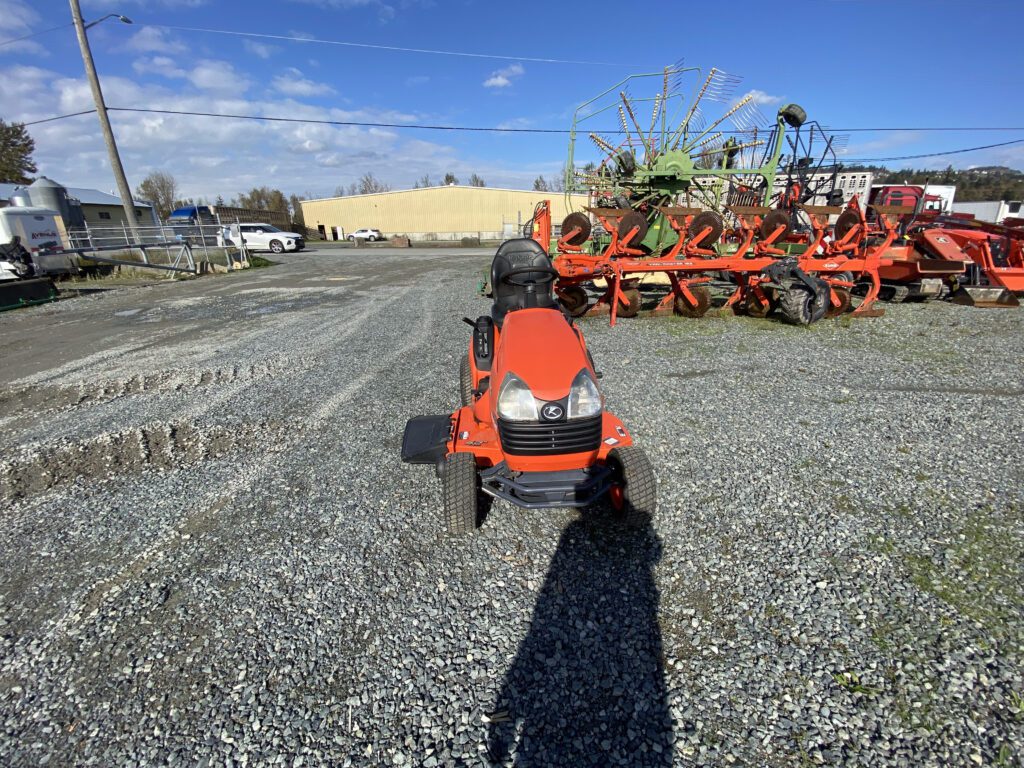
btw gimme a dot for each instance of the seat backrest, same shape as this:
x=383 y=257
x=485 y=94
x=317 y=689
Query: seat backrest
x=515 y=254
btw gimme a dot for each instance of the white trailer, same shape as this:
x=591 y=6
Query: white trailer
x=994 y=210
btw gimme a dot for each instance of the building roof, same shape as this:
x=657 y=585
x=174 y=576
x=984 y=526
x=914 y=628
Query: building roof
x=84 y=195
x=436 y=188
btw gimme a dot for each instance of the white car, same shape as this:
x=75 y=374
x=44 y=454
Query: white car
x=365 y=234
x=264 y=237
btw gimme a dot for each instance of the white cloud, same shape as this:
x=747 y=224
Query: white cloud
x=19 y=19
x=502 y=78
x=760 y=98
x=154 y=40
x=218 y=77
x=211 y=156
x=262 y=50
x=292 y=83
x=158 y=65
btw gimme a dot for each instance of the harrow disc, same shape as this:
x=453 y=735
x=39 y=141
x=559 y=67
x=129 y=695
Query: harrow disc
x=578 y=221
x=847 y=220
x=575 y=300
x=628 y=222
x=773 y=221
x=632 y=295
x=845 y=302
x=753 y=306
x=684 y=308
x=706 y=219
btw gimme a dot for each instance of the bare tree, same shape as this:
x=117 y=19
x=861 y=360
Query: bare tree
x=339 y=191
x=294 y=202
x=369 y=185
x=264 y=199
x=161 y=189
x=540 y=185
x=450 y=178
x=476 y=181
x=424 y=182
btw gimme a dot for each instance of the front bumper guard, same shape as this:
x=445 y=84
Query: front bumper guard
x=541 y=490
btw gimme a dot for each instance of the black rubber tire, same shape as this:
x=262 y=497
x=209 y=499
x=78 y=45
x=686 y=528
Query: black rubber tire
x=461 y=489
x=703 y=297
x=276 y=246
x=794 y=115
x=372 y=238
x=800 y=305
x=351 y=238
x=632 y=470
x=632 y=295
x=465 y=382
x=575 y=300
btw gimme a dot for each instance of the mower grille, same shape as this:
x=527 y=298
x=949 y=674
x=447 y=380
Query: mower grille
x=545 y=439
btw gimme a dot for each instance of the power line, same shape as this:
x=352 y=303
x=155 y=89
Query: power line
x=350 y=44
x=34 y=34
x=933 y=154
x=60 y=117
x=471 y=129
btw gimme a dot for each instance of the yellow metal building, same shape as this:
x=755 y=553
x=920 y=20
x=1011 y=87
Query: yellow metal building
x=435 y=213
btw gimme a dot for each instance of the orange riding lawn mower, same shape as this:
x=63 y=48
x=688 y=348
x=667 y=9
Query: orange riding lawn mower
x=532 y=428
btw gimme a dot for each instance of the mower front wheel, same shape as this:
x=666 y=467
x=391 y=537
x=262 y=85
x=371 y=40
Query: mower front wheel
x=461 y=490
x=634 y=491
x=465 y=382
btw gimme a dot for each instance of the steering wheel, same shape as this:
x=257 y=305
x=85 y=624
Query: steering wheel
x=550 y=273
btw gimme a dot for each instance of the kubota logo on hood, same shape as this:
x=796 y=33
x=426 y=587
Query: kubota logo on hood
x=552 y=412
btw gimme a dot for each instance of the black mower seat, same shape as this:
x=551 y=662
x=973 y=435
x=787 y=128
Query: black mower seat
x=516 y=254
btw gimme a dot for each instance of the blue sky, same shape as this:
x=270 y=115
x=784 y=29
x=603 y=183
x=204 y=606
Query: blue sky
x=849 y=63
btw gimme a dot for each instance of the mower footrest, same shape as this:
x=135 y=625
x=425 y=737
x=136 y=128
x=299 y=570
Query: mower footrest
x=425 y=439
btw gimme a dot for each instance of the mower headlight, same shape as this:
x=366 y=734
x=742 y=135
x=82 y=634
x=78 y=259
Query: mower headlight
x=584 y=396
x=515 y=401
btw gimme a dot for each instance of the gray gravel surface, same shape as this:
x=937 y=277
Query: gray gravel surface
x=213 y=555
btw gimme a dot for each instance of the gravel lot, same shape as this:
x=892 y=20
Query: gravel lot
x=213 y=555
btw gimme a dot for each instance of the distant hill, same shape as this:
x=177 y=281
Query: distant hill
x=991 y=182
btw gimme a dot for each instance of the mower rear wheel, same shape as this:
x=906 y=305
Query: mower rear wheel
x=632 y=295
x=575 y=300
x=461 y=488
x=800 y=305
x=634 y=491
x=684 y=308
x=465 y=382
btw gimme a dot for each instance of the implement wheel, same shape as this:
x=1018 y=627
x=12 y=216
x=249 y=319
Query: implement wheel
x=632 y=295
x=773 y=221
x=461 y=490
x=574 y=299
x=845 y=302
x=465 y=382
x=634 y=491
x=683 y=307
x=703 y=220
x=800 y=305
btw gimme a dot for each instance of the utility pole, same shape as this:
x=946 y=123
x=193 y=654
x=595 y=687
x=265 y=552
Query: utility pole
x=101 y=110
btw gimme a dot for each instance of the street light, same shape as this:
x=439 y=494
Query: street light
x=123 y=19
x=101 y=110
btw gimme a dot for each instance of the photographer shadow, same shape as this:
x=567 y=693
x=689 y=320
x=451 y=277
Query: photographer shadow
x=587 y=683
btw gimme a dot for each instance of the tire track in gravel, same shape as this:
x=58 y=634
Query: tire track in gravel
x=185 y=439
x=250 y=473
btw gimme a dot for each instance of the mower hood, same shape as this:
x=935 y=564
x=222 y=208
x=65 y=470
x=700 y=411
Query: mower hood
x=543 y=350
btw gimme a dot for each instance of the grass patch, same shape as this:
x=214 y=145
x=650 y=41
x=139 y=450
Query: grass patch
x=981 y=576
x=258 y=262
x=850 y=681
